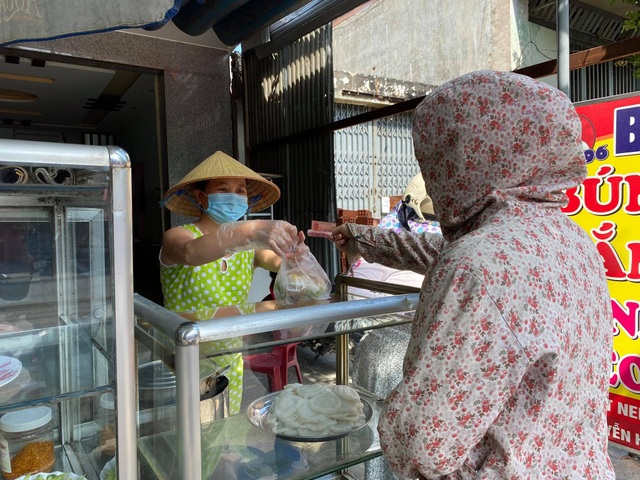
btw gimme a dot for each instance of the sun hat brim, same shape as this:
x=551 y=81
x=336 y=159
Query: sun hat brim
x=181 y=197
x=420 y=201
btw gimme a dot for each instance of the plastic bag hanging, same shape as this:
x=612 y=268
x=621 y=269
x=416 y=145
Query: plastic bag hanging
x=301 y=278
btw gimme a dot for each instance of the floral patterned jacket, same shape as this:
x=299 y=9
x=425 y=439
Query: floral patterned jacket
x=506 y=374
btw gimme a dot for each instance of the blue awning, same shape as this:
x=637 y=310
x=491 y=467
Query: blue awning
x=27 y=20
x=233 y=21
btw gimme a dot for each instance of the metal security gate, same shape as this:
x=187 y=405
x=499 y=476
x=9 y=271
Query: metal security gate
x=373 y=160
x=604 y=79
x=288 y=92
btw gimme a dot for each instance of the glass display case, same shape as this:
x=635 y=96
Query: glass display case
x=180 y=439
x=66 y=309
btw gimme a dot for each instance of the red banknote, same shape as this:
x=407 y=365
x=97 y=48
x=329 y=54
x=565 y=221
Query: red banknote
x=321 y=229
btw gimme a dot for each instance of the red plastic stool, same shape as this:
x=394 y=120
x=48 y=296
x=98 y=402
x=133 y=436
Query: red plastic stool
x=275 y=364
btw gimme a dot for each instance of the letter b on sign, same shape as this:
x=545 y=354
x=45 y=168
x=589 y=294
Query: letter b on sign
x=626 y=133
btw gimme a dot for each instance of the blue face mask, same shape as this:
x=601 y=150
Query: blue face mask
x=226 y=207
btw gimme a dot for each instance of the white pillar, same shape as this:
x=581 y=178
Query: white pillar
x=562 y=31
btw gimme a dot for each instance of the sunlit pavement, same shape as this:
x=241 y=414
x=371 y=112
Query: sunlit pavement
x=626 y=465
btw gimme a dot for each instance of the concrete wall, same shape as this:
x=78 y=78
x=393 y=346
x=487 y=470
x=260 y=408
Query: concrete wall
x=542 y=46
x=398 y=40
x=425 y=42
x=520 y=36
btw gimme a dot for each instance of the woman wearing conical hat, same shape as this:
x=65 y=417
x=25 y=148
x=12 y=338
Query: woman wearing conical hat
x=210 y=262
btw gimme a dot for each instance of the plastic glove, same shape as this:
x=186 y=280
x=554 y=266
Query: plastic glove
x=276 y=235
x=299 y=250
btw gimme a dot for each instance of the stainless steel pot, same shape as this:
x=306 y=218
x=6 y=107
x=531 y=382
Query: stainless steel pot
x=14 y=286
x=156 y=385
x=157 y=388
x=215 y=403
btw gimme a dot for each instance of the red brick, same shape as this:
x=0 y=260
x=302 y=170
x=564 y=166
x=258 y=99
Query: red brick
x=347 y=213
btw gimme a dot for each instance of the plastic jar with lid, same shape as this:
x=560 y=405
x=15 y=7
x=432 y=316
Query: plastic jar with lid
x=106 y=410
x=26 y=442
x=106 y=419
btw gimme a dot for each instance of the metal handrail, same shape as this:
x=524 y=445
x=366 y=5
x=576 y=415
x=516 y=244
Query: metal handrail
x=170 y=323
x=262 y=322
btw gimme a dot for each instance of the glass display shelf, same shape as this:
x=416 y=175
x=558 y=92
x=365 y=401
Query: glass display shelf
x=183 y=446
x=66 y=299
x=60 y=191
x=83 y=457
x=54 y=264
x=86 y=456
x=233 y=448
x=44 y=353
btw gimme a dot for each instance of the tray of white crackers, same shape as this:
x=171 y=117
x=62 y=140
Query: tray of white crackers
x=316 y=412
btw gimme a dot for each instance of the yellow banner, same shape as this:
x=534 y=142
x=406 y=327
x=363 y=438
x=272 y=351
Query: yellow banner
x=607 y=206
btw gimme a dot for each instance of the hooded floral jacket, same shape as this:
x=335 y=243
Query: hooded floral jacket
x=506 y=374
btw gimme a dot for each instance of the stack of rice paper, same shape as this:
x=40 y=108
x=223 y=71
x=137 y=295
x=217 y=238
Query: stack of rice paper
x=316 y=410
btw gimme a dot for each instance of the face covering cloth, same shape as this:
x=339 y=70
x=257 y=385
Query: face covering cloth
x=226 y=207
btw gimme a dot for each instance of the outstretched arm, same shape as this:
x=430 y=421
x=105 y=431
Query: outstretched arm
x=400 y=250
x=179 y=246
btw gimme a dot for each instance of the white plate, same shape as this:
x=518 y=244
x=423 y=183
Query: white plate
x=10 y=368
x=258 y=411
x=69 y=476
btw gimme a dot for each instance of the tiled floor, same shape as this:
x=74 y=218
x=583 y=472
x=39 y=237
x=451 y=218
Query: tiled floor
x=321 y=369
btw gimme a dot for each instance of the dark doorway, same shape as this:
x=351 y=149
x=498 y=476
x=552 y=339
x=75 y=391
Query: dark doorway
x=58 y=99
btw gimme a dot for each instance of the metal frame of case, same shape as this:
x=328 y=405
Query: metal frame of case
x=116 y=161
x=187 y=336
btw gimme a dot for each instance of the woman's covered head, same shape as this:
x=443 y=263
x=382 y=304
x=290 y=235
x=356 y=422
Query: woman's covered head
x=495 y=137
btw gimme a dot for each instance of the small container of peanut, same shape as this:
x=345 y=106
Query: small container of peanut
x=106 y=419
x=26 y=442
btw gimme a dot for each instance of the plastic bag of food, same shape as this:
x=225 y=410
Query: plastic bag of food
x=301 y=278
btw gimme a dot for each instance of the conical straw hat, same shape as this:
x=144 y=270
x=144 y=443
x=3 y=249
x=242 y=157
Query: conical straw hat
x=180 y=198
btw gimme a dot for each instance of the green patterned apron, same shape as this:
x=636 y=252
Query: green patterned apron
x=222 y=283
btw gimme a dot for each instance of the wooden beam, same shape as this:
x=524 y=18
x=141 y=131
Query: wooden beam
x=542 y=6
x=369 y=116
x=585 y=58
